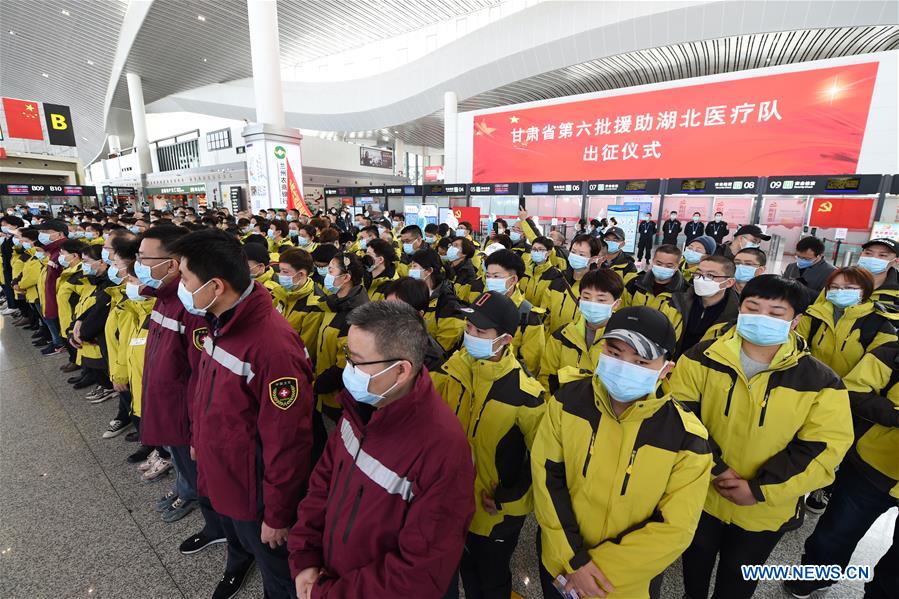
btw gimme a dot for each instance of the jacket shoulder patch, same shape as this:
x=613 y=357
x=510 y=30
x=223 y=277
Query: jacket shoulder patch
x=199 y=337
x=283 y=391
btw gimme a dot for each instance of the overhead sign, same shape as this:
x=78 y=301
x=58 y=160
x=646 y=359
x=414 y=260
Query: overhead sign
x=714 y=186
x=404 y=190
x=369 y=191
x=59 y=125
x=822 y=184
x=333 y=192
x=23 y=189
x=648 y=187
x=177 y=190
x=849 y=213
x=769 y=124
x=494 y=189
x=553 y=188
x=458 y=189
x=236 y=197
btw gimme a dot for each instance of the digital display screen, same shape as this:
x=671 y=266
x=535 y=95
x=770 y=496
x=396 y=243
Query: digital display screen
x=409 y=190
x=635 y=186
x=17 y=189
x=539 y=187
x=72 y=191
x=692 y=185
x=843 y=184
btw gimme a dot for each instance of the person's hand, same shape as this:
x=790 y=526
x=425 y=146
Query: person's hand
x=305 y=580
x=736 y=490
x=193 y=453
x=522 y=214
x=76 y=331
x=120 y=387
x=589 y=581
x=488 y=502
x=728 y=474
x=275 y=537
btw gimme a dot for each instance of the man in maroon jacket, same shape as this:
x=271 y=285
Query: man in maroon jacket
x=390 y=500
x=165 y=419
x=51 y=234
x=252 y=410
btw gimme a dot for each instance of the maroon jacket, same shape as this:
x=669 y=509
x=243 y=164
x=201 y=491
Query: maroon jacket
x=389 y=502
x=165 y=411
x=51 y=310
x=252 y=425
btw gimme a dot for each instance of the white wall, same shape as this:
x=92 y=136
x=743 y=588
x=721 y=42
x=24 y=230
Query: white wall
x=879 y=152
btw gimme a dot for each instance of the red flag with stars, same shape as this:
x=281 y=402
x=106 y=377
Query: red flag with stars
x=294 y=195
x=23 y=119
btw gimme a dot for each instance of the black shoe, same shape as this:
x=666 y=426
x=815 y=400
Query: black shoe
x=198 y=543
x=231 y=583
x=142 y=453
x=70 y=367
x=817 y=501
x=52 y=350
x=84 y=383
x=39 y=334
x=41 y=341
x=132 y=437
x=75 y=379
x=804 y=588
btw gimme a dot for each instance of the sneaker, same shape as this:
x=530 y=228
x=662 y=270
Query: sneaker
x=140 y=455
x=116 y=428
x=231 y=583
x=41 y=342
x=148 y=463
x=132 y=437
x=52 y=350
x=817 y=501
x=9 y=312
x=178 y=510
x=198 y=543
x=94 y=393
x=801 y=589
x=102 y=396
x=21 y=321
x=165 y=502
x=40 y=334
x=159 y=469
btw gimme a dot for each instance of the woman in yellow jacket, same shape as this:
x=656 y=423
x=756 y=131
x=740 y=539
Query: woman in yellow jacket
x=380 y=260
x=88 y=332
x=539 y=270
x=500 y=406
x=844 y=323
x=68 y=291
x=298 y=298
x=561 y=297
x=133 y=333
x=443 y=318
x=577 y=344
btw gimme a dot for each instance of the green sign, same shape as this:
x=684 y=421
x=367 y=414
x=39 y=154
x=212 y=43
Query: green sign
x=280 y=152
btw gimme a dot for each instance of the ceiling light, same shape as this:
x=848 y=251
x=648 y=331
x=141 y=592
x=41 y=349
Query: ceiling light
x=201 y=18
x=65 y=12
x=11 y=32
x=90 y=62
x=44 y=75
x=204 y=60
x=84 y=138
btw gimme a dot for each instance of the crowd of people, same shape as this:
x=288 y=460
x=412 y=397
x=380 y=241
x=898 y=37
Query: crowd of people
x=360 y=407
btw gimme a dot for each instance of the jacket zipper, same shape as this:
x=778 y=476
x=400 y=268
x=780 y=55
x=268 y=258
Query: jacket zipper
x=764 y=405
x=346 y=486
x=730 y=396
x=353 y=512
x=589 y=453
x=627 y=473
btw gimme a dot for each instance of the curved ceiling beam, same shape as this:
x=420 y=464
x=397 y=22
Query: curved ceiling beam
x=543 y=38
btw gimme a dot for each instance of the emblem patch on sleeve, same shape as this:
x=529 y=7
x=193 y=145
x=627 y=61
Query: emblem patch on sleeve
x=283 y=392
x=200 y=337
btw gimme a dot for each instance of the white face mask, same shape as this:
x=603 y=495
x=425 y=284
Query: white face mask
x=705 y=288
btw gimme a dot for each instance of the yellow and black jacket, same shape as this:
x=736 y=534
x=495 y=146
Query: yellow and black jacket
x=530 y=337
x=468 y=281
x=874 y=396
x=377 y=285
x=92 y=310
x=500 y=406
x=561 y=300
x=842 y=345
x=567 y=348
x=68 y=291
x=268 y=280
x=888 y=293
x=537 y=279
x=687 y=270
x=133 y=334
x=624 y=492
x=444 y=318
x=303 y=308
x=785 y=430
x=330 y=359
x=640 y=291
x=30 y=281
x=116 y=345
x=555 y=258
x=623 y=264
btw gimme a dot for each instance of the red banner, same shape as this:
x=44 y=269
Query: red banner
x=294 y=195
x=433 y=174
x=471 y=215
x=846 y=213
x=792 y=123
x=23 y=119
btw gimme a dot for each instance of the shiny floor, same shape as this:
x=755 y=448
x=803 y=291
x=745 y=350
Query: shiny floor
x=76 y=521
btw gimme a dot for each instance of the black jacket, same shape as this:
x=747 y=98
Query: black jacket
x=693 y=230
x=647 y=228
x=717 y=231
x=670 y=230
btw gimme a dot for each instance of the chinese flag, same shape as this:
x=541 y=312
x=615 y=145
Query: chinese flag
x=849 y=213
x=469 y=214
x=294 y=195
x=23 y=119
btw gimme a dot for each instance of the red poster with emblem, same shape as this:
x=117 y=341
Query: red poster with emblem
x=809 y=121
x=468 y=214
x=23 y=119
x=845 y=213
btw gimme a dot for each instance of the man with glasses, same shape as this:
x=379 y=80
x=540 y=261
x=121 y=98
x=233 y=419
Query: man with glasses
x=747 y=236
x=711 y=301
x=749 y=263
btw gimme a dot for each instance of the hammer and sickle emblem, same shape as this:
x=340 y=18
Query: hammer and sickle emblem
x=825 y=207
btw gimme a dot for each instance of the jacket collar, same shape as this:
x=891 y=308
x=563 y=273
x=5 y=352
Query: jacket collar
x=638 y=410
x=356 y=297
x=646 y=282
x=299 y=293
x=726 y=350
x=397 y=413
x=266 y=276
x=823 y=310
x=468 y=370
x=246 y=313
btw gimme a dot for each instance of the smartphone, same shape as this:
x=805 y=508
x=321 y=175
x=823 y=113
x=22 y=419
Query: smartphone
x=560 y=583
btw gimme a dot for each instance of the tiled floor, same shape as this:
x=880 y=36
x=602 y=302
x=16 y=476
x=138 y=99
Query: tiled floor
x=77 y=522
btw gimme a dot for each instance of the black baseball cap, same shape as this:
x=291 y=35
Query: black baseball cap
x=256 y=252
x=645 y=329
x=890 y=243
x=53 y=225
x=616 y=232
x=753 y=230
x=494 y=311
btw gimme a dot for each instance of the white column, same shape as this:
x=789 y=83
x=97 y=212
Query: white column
x=139 y=122
x=450 y=157
x=266 y=55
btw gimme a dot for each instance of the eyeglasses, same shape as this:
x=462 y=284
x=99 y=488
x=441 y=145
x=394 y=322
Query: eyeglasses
x=346 y=354
x=847 y=288
x=709 y=276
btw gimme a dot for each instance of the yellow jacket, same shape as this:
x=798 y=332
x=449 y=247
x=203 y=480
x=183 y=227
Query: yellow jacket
x=687 y=270
x=268 y=280
x=640 y=291
x=561 y=301
x=842 y=345
x=302 y=309
x=874 y=396
x=445 y=322
x=624 y=492
x=89 y=350
x=133 y=332
x=330 y=359
x=530 y=338
x=68 y=290
x=537 y=278
x=500 y=406
x=785 y=430
x=888 y=293
x=115 y=344
x=567 y=348
x=376 y=286
x=30 y=282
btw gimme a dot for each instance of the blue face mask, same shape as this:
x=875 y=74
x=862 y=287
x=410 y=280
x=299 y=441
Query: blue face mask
x=515 y=236
x=44 y=238
x=496 y=285
x=624 y=381
x=293 y=233
x=286 y=281
x=662 y=273
x=873 y=265
x=479 y=349
x=429 y=239
x=460 y=232
x=16 y=242
x=749 y=245
x=187 y=299
x=302 y=240
x=692 y=256
x=803 y=263
x=87 y=269
x=577 y=261
x=27 y=245
x=452 y=253
x=763 y=330
x=90 y=235
x=538 y=256
x=134 y=229
x=104 y=255
x=614 y=246
x=63 y=261
x=270 y=233
x=113 y=274
x=363 y=243
x=40 y=255
x=844 y=297
x=416 y=273
x=330 y=285
x=132 y=291
x=321 y=270
x=595 y=312
x=408 y=248
x=145 y=274
x=744 y=273
x=356 y=383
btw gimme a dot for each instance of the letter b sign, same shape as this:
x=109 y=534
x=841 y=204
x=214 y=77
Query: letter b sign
x=58 y=122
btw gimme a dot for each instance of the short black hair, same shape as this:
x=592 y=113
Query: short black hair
x=413 y=230
x=603 y=279
x=256 y=238
x=167 y=235
x=726 y=263
x=508 y=260
x=414 y=292
x=431 y=228
x=775 y=287
x=546 y=242
x=352 y=265
x=73 y=246
x=212 y=253
x=468 y=248
x=810 y=243
x=590 y=240
x=428 y=258
x=371 y=230
x=92 y=251
x=125 y=247
x=668 y=248
x=502 y=239
x=299 y=259
x=384 y=249
x=759 y=255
